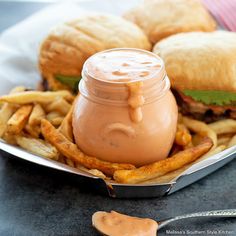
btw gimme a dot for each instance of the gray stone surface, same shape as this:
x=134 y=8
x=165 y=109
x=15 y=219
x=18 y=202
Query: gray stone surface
x=38 y=201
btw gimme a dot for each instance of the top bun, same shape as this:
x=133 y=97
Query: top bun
x=162 y=18
x=200 y=61
x=67 y=47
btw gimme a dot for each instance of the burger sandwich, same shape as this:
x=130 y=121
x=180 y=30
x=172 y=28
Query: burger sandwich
x=202 y=70
x=66 y=48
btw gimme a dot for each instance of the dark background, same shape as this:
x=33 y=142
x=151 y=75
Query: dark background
x=39 y=201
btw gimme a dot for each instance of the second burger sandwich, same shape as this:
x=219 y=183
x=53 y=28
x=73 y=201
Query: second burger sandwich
x=202 y=70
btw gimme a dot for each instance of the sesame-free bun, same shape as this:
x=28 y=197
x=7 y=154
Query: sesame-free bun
x=200 y=61
x=68 y=45
x=162 y=18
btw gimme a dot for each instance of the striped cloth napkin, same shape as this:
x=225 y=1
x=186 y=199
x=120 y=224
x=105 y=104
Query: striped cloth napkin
x=224 y=12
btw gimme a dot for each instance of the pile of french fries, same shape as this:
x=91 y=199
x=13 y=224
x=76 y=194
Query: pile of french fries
x=41 y=123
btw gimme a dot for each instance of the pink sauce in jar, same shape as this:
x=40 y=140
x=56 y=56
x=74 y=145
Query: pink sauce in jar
x=126 y=111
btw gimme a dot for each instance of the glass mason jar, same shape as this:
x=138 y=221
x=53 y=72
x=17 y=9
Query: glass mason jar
x=125 y=112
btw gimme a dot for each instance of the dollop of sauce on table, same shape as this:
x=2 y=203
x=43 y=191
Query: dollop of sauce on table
x=131 y=68
x=116 y=224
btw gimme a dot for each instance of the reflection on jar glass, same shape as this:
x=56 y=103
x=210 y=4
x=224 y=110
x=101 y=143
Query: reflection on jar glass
x=125 y=111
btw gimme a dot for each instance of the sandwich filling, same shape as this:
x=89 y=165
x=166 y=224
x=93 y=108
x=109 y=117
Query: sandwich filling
x=207 y=105
x=71 y=81
x=219 y=98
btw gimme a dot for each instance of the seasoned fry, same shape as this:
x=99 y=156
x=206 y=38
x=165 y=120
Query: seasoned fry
x=34 y=131
x=71 y=151
x=36 y=96
x=162 y=167
x=5 y=114
x=189 y=145
x=60 y=105
x=57 y=121
x=9 y=138
x=97 y=173
x=38 y=147
x=69 y=162
x=171 y=176
x=19 y=119
x=62 y=159
x=7 y=110
x=200 y=128
x=52 y=115
x=232 y=142
x=36 y=115
x=224 y=126
x=55 y=118
x=224 y=140
x=196 y=139
x=182 y=136
x=211 y=152
x=66 y=126
x=94 y=172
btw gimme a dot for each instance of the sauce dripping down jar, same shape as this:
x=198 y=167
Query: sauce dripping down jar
x=126 y=111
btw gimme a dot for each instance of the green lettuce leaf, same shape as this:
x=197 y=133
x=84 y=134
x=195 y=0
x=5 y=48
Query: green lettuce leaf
x=212 y=97
x=71 y=81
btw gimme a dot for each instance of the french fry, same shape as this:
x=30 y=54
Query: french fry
x=224 y=140
x=71 y=151
x=69 y=162
x=36 y=115
x=182 y=136
x=94 y=172
x=55 y=118
x=196 y=139
x=60 y=105
x=57 y=121
x=5 y=114
x=38 y=147
x=62 y=159
x=9 y=138
x=201 y=129
x=52 y=115
x=33 y=131
x=171 y=176
x=36 y=96
x=66 y=126
x=7 y=110
x=211 y=152
x=163 y=167
x=224 y=126
x=97 y=173
x=19 y=119
x=232 y=142
x=189 y=145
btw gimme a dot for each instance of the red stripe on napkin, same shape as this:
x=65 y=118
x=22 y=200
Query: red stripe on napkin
x=224 y=11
